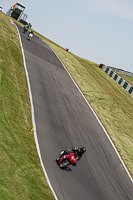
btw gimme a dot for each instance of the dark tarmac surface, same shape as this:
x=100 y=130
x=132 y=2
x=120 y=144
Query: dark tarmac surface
x=64 y=120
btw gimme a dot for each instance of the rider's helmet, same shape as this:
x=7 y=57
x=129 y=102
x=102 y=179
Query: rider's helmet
x=83 y=149
x=30 y=25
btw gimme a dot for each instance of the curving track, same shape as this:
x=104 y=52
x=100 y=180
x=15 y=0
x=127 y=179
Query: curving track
x=64 y=120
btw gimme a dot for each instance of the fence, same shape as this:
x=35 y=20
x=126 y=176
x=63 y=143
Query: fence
x=121 y=71
x=117 y=78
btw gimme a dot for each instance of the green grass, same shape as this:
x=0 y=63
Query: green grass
x=21 y=174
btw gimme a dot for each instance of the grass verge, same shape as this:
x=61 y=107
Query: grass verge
x=21 y=176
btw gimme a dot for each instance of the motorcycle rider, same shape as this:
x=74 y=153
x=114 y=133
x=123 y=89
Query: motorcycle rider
x=78 y=152
x=26 y=27
x=30 y=35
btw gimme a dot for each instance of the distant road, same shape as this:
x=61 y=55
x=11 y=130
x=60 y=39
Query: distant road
x=64 y=120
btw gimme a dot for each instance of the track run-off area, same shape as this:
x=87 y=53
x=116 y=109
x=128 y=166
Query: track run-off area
x=63 y=119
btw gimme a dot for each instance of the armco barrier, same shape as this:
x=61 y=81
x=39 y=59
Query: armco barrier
x=121 y=71
x=117 y=78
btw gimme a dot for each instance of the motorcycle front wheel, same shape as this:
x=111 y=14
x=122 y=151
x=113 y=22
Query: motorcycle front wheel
x=65 y=163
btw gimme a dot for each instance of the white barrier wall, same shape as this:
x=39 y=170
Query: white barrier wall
x=117 y=78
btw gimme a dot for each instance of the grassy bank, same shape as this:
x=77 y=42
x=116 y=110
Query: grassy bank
x=21 y=176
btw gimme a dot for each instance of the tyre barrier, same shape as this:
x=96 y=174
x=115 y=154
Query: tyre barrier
x=117 y=78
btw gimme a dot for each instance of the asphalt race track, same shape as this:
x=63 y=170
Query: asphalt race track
x=64 y=120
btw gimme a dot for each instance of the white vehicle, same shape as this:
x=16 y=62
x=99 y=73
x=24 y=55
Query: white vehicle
x=1 y=9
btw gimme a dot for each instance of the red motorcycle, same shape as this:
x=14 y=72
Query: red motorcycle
x=67 y=158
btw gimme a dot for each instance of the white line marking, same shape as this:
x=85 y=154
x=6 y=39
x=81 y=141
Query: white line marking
x=33 y=117
x=97 y=119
